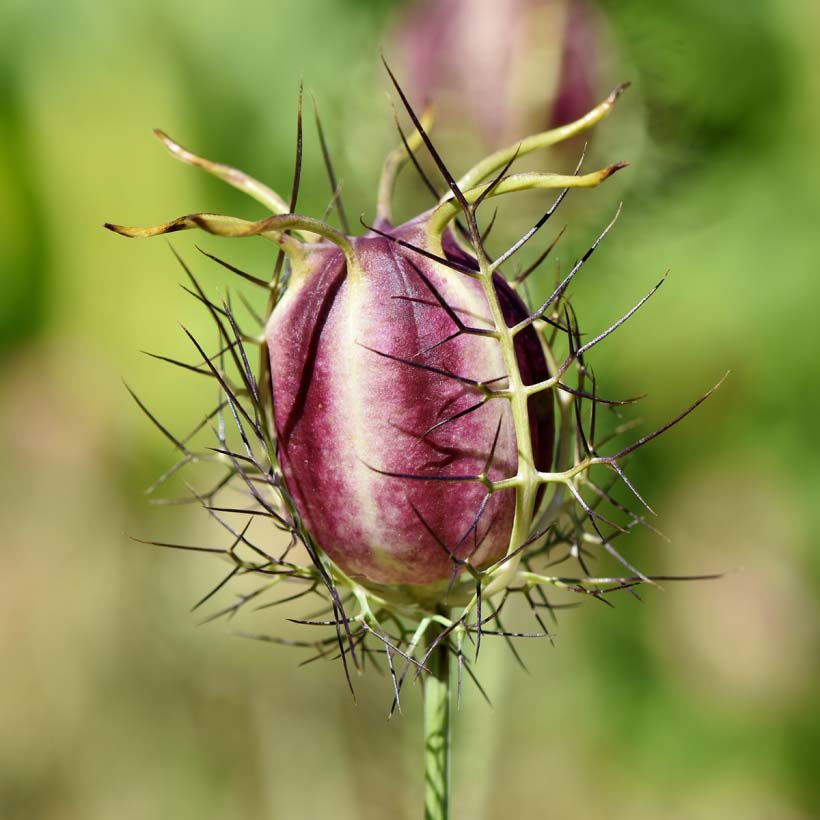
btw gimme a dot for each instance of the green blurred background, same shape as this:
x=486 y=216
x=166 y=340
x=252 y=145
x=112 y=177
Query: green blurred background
x=699 y=703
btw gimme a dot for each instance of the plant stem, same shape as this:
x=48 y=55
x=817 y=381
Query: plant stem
x=437 y=703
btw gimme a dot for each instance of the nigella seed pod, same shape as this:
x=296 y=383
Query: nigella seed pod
x=374 y=381
x=426 y=437
x=412 y=405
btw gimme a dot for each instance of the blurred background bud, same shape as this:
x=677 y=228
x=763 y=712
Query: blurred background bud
x=504 y=68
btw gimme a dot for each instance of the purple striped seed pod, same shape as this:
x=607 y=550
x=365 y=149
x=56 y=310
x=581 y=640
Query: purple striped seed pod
x=380 y=403
x=406 y=406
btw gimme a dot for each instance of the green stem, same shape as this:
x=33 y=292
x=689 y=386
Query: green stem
x=437 y=704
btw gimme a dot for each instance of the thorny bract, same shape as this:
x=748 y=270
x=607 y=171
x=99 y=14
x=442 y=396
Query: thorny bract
x=562 y=509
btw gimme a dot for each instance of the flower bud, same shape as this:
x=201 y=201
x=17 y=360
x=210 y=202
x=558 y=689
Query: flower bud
x=382 y=409
x=506 y=67
x=404 y=421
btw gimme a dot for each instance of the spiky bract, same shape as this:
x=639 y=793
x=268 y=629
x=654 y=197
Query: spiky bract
x=424 y=437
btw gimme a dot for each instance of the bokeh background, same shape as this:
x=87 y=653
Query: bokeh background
x=702 y=701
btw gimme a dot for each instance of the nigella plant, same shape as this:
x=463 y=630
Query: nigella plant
x=421 y=435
